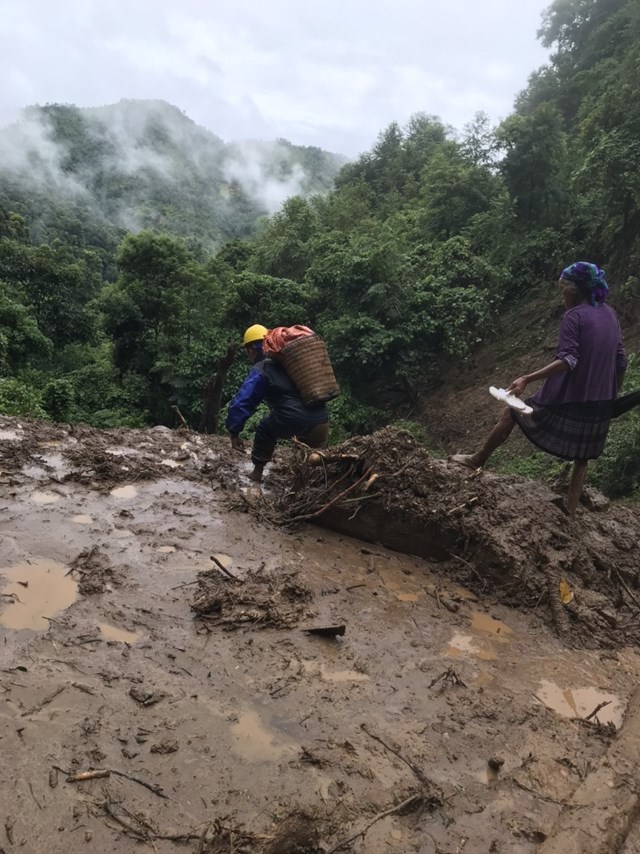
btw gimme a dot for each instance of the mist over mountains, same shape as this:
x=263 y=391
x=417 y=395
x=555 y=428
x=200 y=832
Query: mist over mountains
x=144 y=164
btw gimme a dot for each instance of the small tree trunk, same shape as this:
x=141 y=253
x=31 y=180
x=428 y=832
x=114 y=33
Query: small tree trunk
x=212 y=392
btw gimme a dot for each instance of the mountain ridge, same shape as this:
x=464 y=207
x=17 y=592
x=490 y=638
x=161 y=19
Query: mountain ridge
x=138 y=164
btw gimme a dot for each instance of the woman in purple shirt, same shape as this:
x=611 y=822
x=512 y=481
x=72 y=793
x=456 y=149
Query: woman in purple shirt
x=572 y=410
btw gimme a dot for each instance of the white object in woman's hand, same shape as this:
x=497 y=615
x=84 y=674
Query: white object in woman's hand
x=510 y=399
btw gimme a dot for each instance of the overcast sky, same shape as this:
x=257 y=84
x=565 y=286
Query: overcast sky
x=331 y=73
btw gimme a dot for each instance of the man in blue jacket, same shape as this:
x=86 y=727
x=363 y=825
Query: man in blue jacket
x=268 y=381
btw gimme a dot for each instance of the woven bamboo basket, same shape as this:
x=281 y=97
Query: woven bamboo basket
x=307 y=363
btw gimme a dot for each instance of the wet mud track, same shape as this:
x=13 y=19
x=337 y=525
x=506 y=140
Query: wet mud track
x=213 y=739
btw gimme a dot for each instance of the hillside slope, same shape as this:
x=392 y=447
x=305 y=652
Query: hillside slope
x=459 y=412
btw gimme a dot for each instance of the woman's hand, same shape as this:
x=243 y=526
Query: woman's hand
x=518 y=386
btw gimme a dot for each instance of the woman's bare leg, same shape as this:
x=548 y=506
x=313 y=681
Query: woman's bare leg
x=497 y=437
x=578 y=475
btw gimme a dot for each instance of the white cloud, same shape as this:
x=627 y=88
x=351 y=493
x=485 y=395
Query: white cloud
x=250 y=166
x=170 y=61
x=496 y=72
x=326 y=72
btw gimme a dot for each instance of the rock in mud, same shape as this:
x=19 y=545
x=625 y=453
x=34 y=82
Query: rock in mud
x=164 y=747
x=146 y=697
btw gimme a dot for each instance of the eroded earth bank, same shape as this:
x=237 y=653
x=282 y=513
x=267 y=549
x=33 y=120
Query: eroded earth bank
x=154 y=697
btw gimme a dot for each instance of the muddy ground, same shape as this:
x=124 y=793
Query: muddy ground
x=229 y=728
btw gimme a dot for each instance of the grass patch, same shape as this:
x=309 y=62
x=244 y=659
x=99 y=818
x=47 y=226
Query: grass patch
x=534 y=466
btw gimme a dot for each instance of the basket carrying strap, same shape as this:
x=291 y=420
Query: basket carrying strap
x=624 y=404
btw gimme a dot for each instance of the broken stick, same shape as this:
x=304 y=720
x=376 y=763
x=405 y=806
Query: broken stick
x=469 y=504
x=81 y=776
x=153 y=787
x=355 y=485
x=95 y=774
x=597 y=709
x=44 y=702
x=448 y=675
x=183 y=422
x=408 y=802
x=223 y=568
x=422 y=777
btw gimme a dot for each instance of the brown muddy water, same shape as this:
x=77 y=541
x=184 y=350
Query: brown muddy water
x=40 y=589
x=254 y=724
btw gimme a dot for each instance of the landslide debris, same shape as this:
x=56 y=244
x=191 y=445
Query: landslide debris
x=94 y=570
x=345 y=728
x=502 y=536
x=104 y=459
x=260 y=600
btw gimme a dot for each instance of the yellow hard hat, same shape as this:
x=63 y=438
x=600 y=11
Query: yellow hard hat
x=254 y=333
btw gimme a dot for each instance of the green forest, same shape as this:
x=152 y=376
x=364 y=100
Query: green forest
x=135 y=246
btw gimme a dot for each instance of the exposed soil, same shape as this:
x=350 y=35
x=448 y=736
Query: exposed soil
x=156 y=696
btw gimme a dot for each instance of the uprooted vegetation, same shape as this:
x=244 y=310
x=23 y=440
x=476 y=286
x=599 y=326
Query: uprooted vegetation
x=503 y=536
x=94 y=571
x=259 y=600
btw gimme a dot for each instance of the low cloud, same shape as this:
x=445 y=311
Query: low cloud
x=128 y=160
x=331 y=74
x=252 y=164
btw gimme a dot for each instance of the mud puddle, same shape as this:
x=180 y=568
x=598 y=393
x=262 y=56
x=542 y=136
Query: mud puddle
x=42 y=497
x=41 y=588
x=490 y=643
x=466 y=646
x=113 y=633
x=124 y=493
x=581 y=702
x=254 y=741
x=485 y=624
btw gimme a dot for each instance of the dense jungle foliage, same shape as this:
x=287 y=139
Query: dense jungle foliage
x=134 y=246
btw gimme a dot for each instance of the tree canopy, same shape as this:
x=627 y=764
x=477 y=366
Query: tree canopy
x=134 y=246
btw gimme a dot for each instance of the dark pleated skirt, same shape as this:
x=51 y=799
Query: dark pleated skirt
x=569 y=431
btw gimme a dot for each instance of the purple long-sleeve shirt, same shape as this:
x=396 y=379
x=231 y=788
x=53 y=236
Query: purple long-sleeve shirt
x=591 y=346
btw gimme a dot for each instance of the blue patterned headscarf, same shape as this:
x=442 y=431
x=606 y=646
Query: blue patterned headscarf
x=590 y=279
